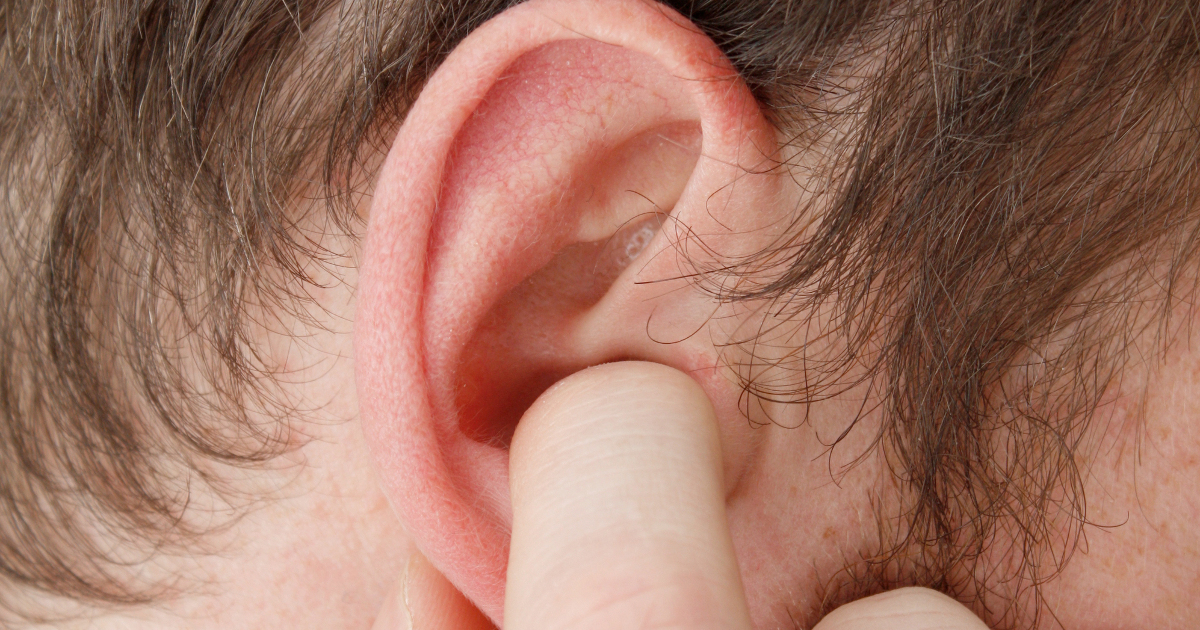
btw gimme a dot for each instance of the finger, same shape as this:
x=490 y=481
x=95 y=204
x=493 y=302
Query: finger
x=619 y=507
x=424 y=600
x=908 y=608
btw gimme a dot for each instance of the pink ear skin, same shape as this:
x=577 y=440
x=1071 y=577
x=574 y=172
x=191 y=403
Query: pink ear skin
x=489 y=267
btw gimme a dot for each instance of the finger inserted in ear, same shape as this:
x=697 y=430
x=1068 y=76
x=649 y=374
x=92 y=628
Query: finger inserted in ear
x=619 y=507
x=908 y=608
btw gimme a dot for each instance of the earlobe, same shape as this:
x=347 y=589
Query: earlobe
x=536 y=180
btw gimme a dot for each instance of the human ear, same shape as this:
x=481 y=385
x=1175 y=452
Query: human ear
x=533 y=217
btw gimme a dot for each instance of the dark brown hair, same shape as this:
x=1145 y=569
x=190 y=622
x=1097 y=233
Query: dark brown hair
x=1013 y=209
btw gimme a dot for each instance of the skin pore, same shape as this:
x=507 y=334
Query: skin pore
x=318 y=543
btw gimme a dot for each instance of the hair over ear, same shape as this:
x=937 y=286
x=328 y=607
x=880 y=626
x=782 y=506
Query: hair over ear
x=489 y=270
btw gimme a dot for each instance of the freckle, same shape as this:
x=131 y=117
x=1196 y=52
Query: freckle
x=829 y=533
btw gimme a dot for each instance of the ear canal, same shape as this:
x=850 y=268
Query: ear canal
x=518 y=351
x=526 y=342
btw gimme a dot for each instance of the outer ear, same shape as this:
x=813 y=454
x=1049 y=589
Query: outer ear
x=496 y=260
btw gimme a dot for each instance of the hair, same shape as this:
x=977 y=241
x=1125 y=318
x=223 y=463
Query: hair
x=1012 y=209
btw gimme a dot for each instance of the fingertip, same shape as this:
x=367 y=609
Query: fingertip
x=910 y=608
x=619 y=507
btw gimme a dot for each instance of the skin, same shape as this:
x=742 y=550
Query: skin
x=334 y=523
x=619 y=521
